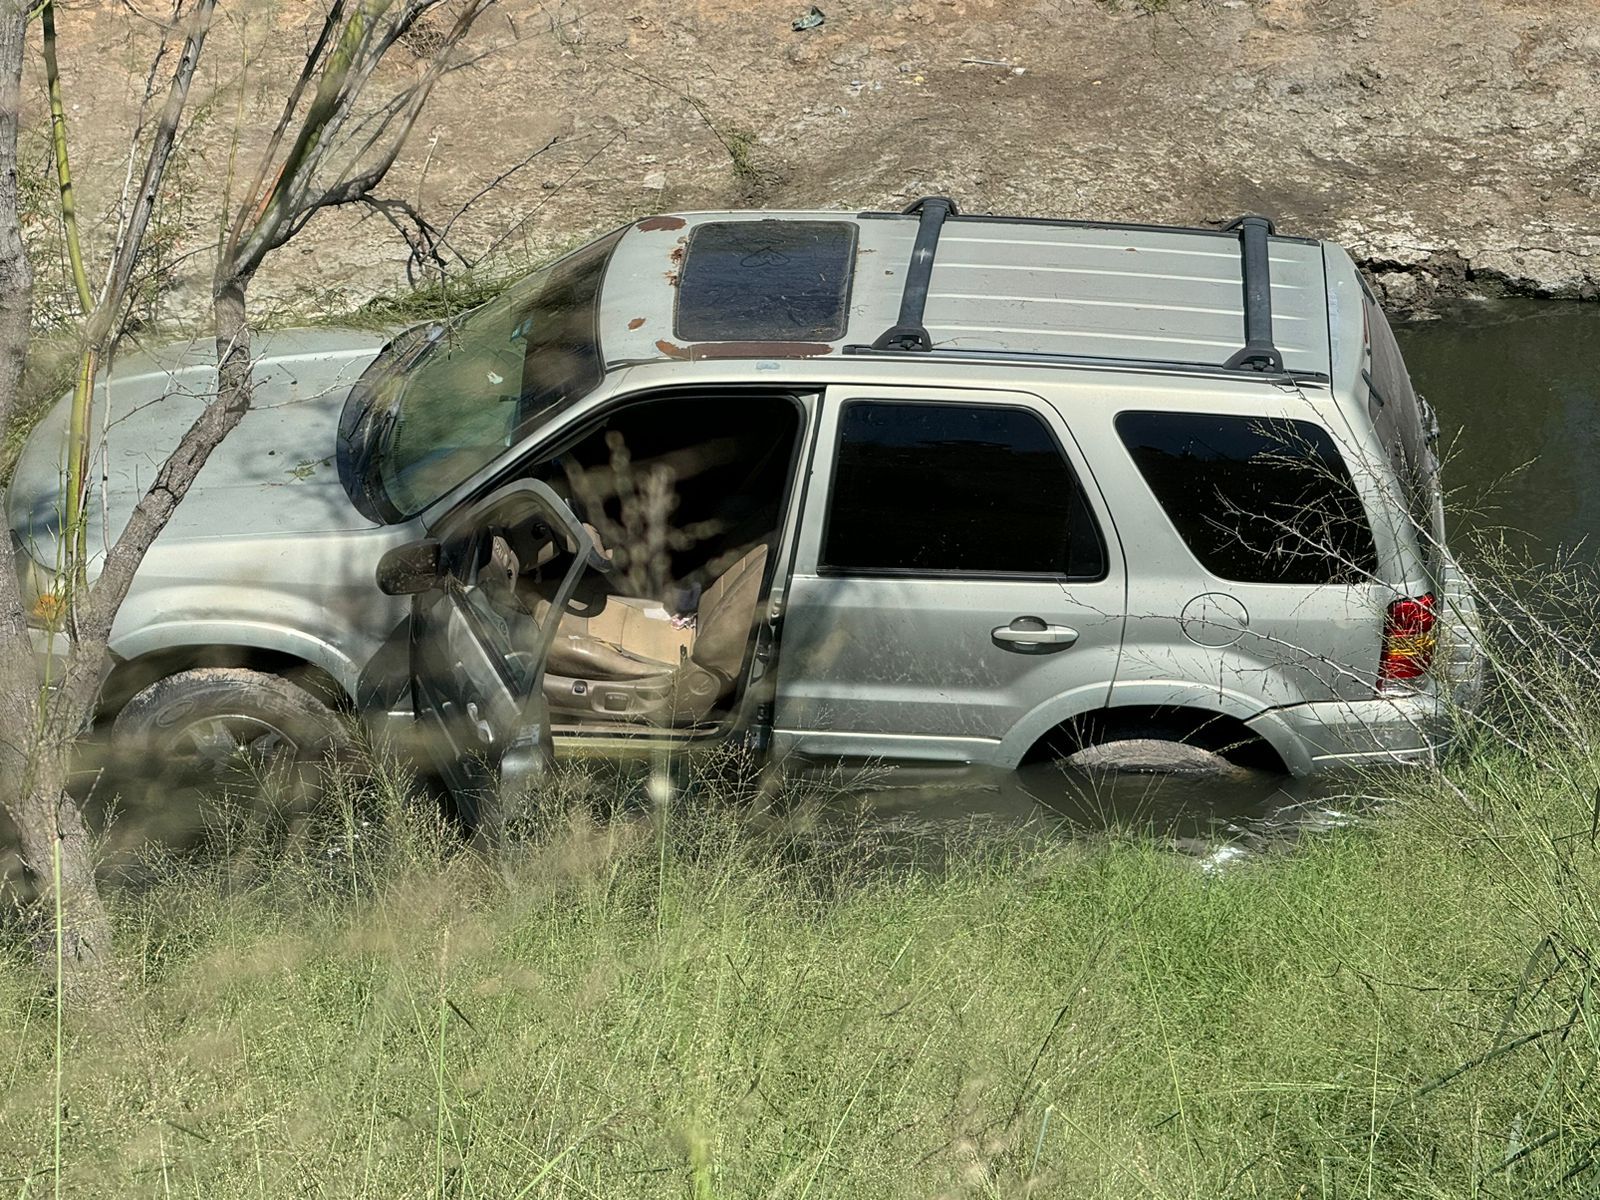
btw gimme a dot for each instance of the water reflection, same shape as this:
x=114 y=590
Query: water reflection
x=1516 y=385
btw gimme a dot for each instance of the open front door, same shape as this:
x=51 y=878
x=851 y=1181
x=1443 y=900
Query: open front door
x=508 y=566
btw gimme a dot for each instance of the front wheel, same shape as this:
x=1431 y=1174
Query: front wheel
x=209 y=724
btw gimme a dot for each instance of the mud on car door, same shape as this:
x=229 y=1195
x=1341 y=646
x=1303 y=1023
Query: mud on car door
x=490 y=590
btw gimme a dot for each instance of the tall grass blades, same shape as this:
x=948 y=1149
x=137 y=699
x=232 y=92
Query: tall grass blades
x=726 y=989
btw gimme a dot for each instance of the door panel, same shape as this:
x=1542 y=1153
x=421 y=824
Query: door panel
x=924 y=620
x=477 y=650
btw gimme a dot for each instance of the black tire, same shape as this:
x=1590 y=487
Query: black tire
x=216 y=723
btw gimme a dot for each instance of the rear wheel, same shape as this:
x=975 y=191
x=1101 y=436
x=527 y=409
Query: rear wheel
x=1187 y=775
x=1152 y=754
x=1158 y=741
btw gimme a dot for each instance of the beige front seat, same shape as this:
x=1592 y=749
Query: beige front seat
x=632 y=678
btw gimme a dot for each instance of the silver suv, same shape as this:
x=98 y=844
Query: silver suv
x=916 y=486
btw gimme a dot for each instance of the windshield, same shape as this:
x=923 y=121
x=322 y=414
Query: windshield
x=477 y=381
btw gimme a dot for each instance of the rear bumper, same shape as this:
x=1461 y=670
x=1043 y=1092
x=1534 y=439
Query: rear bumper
x=1335 y=735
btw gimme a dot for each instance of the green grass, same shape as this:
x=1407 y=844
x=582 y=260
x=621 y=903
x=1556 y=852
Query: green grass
x=708 y=1006
x=431 y=299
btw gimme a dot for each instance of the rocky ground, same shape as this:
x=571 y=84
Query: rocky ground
x=1454 y=145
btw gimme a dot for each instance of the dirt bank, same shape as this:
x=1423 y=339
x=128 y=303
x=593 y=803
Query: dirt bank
x=1453 y=144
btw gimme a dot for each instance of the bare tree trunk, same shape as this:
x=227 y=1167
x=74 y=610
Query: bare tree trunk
x=56 y=845
x=18 y=679
x=17 y=676
x=39 y=726
x=33 y=765
x=233 y=344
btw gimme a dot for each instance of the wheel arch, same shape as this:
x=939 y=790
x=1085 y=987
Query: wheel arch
x=1207 y=716
x=327 y=676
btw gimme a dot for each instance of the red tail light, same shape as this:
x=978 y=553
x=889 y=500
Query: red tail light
x=1408 y=640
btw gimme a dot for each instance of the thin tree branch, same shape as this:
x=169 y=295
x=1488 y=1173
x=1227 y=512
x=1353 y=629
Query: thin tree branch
x=329 y=101
x=58 y=142
x=101 y=321
x=444 y=231
x=425 y=243
x=156 y=164
x=296 y=202
x=254 y=205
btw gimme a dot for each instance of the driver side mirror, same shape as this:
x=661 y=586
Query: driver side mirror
x=410 y=569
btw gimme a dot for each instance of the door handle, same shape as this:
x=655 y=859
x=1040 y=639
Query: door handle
x=481 y=727
x=1033 y=634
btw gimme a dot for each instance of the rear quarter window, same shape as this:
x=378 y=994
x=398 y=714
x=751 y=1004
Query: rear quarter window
x=1255 y=499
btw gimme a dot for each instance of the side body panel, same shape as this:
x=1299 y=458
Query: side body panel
x=311 y=596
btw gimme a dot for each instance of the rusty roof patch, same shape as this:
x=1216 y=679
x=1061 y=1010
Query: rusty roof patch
x=660 y=224
x=635 y=323
x=706 y=351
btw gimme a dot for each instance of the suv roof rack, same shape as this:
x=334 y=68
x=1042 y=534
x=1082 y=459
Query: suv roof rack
x=1258 y=355
x=909 y=333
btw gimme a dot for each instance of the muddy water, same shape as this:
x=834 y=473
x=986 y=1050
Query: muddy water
x=1516 y=386
x=1216 y=821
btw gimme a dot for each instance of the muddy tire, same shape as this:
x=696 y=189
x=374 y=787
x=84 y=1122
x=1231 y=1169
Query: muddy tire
x=1154 y=756
x=1179 y=742
x=216 y=724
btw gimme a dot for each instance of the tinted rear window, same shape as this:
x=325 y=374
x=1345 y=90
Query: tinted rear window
x=1256 y=500
x=956 y=489
x=759 y=281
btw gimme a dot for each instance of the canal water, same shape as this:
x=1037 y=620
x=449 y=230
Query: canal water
x=1516 y=385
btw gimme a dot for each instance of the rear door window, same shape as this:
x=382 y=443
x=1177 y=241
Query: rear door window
x=953 y=489
x=1256 y=500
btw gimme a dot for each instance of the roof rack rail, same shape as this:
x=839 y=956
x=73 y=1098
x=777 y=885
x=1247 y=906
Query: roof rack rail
x=1046 y=358
x=1211 y=230
x=1258 y=352
x=909 y=333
